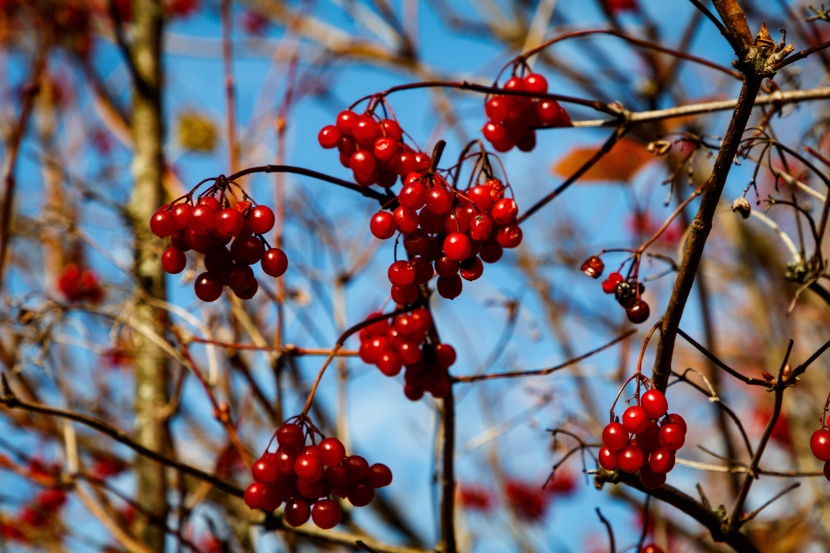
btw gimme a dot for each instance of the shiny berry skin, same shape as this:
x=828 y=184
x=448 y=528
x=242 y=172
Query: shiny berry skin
x=637 y=311
x=211 y=202
x=651 y=548
x=504 y=211
x=290 y=437
x=208 y=287
x=615 y=436
x=202 y=218
x=247 y=293
x=497 y=108
x=379 y=476
x=439 y=201
x=672 y=438
x=534 y=82
x=247 y=250
x=593 y=267
x=471 y=268
x=820 y=444
x=608 y=459
x=491 y=251
x=385 y=149
x=449 y=287
x=274 y=262
x=265 y=469
x=649 y=439
x=182 y=212
x=480 y=227
x=404 y=295
x=261 y=219
x=326 y=514
x=345 y=121
x=630 y=459
x=609 y=285
x=654 y=404
x=413 y=196
x=406 y=219
x=308 y=467
x=445 y=355
x=634 y=419
x=389 y=363
x=270 y=497
x=328 y=137
x=228 y=222
x=509 y=236
x=361 y=494
x=173 y=261
x=365 y=131
x=297 y=512
x=251 y=497
x=163 y=223
x=650 y=479
x=401 y=273
x=662 y=460
x=356 y=467
x=332 y=451
x=674 y=418
x=383 y=225
x=457 y=246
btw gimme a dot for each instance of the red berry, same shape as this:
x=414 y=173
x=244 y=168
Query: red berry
x=491 y=251
x=405 y=219
x=361 y=494
x=382 y=225
x=634 y=419
x=202 y=218
x=662 y=460
x=228 y=222
x=356 y=467
x=247 y=250
x=274 y=262
x=265 y=469
x=308 y=467
x=326 y=514
x=345 y=121
x=439 y=201
x=182 y=212
x=362 y=162
x=208 y=287
x=457 y=246
x=211 y=202
x=672 y=438
x=365 y=131
x=609 y=285
x=534 y=82
x=593 y=267
x=251 y=497
x=674 y=418
x=385 y=149
x=389 y=363
x=497 y=108
x=445 y=355
x=649 y=439
x=820 y=444
x=449 y=286
x=504 y=211
x=650 y=479
x=261 y=219
x=371 y=349
x=247 y=293
x=654 y=404
x=413 y=196
x=471 y=268
x=297 y=512
x=332 y=451
x=630 y=459
x=328 y=137
x=379 y=476
x=404 y=295
x=163 y=223
x=390 y=128
x=614 y=436
x=401 y=273
x=290 y=437
x=637 y=311
x=608 y=459
x=173 y=261
x=509 y=236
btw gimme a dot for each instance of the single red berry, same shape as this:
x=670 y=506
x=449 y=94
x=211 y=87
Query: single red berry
x=497 y=108
x=328 y=137
x=228 y=222
x=650 y=479
x=509 y=236
x=251 y=496
x=401 y=273
x=326 y=514
x=614 y=436
x=593 y=267
x=265 y=469
x=608 y=459
x=637 y=311
x=672 y=438
x=820 y=444
x=356 y=467
x=413 y=196
x=491 y=251
x=182 y=212
x=630 y=459
x=247 y=250
x=654 y=404
x=662 y=460
x=439 y=200
x=534 y=82
x=372 y=348
x=285 y=461
x=308 y=467
x=649 y=439
x=449 y=286
x=239 y=278
x=417 y=242
x=471 y=268
x=247 y=293
x=361 y=494
x=382 y=225
x=480 y=227
x=211 y=202
x=208 y=287
x=163 y=223
x=389 y=363
x=345 y=121
x=173 y=261
x=385 y=149
x=423 y=269
x=261 y=219
x=391 y=128
x=609 y=285
x=404 y=295
x=445 y=355
x=274 y=262
x=457 y=246
x=494 y=131
x=290 y=437
x=634 y=419
x=332 y=451
x=379 y=476
x=202 y=218
x=504 y=211
x=406 y=219
x=296 y=512
x=365 y=131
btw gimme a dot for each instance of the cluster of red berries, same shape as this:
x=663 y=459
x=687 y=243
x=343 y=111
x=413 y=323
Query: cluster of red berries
x=372 y=148
x=512 y=120
x=306 y=476
x=820 y=445
x=446 y=232
x=207 y=228
x=627 y=291
x=652 y=449
x=405 y=343
x=78 y=284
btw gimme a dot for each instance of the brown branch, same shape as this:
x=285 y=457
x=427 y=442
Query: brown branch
x=709 y=355
x=699 y=231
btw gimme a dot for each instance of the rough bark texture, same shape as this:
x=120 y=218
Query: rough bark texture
x=150 y=367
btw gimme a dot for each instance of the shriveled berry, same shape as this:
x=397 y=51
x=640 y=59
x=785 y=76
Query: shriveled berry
x=609 y=285
x=593 y=267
